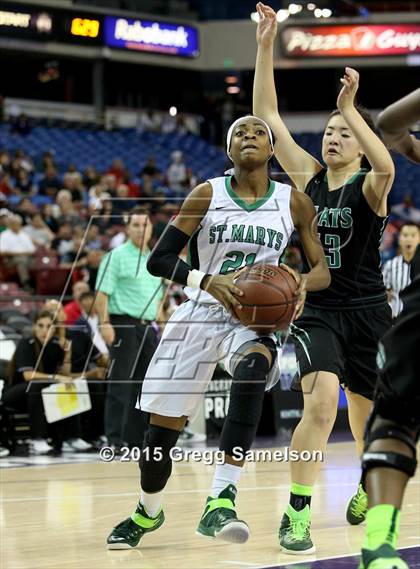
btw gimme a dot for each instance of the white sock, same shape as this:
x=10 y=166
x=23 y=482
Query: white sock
x=152 y=502
x=224 y=475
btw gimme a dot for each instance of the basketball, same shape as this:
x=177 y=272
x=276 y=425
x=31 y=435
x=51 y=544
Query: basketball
x=269 y=299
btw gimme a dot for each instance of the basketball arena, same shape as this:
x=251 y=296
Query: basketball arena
x=209 y=278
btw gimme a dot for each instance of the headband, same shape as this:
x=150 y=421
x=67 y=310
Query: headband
x=234 y=124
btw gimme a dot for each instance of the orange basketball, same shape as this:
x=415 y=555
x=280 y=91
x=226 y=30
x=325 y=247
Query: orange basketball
x=269 y=299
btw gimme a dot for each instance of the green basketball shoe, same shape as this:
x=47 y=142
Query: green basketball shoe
x=357 y=507
x=220 y=520
x=294 y=535
x=128 y=533
x=385 y=557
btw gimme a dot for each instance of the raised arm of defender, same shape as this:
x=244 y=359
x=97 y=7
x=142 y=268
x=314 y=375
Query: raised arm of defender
x=298 y=163
x=395 y=122
x=379 y=180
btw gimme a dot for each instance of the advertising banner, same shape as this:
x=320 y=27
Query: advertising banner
x=350 y=40
x=154 y=37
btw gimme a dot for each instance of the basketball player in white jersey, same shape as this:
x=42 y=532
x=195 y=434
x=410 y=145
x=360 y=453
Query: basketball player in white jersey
x=230 y=222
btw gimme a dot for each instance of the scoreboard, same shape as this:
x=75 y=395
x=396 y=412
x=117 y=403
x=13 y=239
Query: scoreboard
x=50 y=24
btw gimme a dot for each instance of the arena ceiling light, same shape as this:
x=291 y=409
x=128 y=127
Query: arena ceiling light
x=326 y=13
x=255 y=17
x=282 y=15
x=233 y=90
x=294 y=8
x=311 y=6
x=173 y=111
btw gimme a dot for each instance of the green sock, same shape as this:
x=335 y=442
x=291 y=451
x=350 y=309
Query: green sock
x=383 y=524
x=300 y=496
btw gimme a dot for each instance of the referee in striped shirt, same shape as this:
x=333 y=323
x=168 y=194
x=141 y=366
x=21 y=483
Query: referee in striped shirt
x=128 y=299
x=396 y=271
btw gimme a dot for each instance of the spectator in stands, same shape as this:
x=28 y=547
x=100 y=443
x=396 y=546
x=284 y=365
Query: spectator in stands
x=73 y=310
x=6 y=187
x=88 y=321
x=406 y=211
x=133 y=186
x=92 y=238
x=150 y=171
x=93 y=261
x=39 y=231
x=16 y=249
x=109 y=182
x=76 y=258
x=26 y=208
x=106 y=220
x=4 y=217
x=47 y=161
x=90 y=177
x=4 y=161
x=20 y=160
x=66 y=210
x=168 y=124
x=86 y=361
x=177 y=173
x=72 y=182
x=118 y=170
x=72 y=169
x=63 y=243
x=162 y=217
x=49 y=219
x=97 y=195
x=147 y=190
x=50 y=183
x=118 y=239
x=21 y=125
x=149 y=121
x=24 y=184
x=396 y=271
x=38 y=362
x=122 y=204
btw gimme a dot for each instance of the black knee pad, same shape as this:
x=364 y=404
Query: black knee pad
x=155 y=461
x=388 y=459
x=246 y=400
x=270 y=344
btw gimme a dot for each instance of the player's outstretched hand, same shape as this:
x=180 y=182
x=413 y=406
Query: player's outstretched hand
x=301 y=291
x=223 y=289
x=346 y=96
x=267 y=25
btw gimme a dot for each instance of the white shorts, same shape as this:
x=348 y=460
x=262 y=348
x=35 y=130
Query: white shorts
x=196 y=338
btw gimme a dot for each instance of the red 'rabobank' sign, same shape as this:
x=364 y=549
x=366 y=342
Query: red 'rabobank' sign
x=351 y=40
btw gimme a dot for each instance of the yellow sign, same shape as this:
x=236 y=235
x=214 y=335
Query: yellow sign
x=66 y=398
x=84 y=27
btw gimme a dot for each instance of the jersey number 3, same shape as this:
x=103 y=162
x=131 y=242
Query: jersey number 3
x=234 y=263
x=332 y=250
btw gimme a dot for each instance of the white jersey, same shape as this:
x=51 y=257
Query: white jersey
x=234 y=234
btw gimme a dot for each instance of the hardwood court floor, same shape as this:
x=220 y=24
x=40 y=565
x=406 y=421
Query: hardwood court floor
x=59 y=516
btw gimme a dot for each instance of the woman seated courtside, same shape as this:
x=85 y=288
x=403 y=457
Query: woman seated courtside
x=39 y=361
